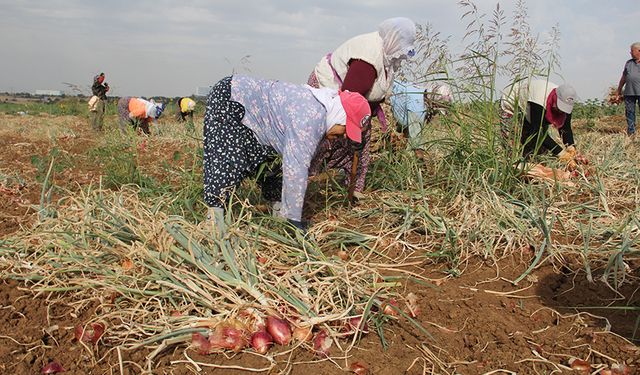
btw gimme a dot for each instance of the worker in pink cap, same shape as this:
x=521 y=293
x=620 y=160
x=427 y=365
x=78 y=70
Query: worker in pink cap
x=250 y=121
x=365 y=64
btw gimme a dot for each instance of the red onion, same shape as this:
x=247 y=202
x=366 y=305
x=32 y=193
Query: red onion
x=279 y=330
x=228 y=337
x=302 y=334
x=620 y=369
x=390 y=307
x=343 y=255
x=91 y=334
x=322 y=343
x=355 y=325
x=359 y=368
x=412 y=305
x=261 y=341
x=52 y=368
x=580 y=365
x=200 y=343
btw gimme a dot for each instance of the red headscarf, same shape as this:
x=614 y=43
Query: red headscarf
x=553 y=114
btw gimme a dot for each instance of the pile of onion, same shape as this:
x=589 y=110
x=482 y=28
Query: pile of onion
x=233 y=335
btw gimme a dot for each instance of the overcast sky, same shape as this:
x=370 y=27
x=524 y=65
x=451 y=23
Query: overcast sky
x=169 y=48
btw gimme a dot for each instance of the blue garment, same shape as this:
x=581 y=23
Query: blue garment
x=407 y=98
x=290 y=119
x=630 y=112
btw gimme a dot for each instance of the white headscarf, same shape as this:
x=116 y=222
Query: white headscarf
x=398 y=35
x=330 y=99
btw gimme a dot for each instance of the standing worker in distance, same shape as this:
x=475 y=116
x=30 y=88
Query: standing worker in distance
x=98 y=102
x=630 y=80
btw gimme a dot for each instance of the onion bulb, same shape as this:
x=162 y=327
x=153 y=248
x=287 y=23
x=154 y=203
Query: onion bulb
x=359 y=368
x=200 y=343
x=228 y=337
x=355 y=325
x=390 y=307
x=412 y=305
x=90 y=333
x=52 y=368
x=620 y=369
x=302 y=334
x=580 y=365
x=279 y=330
x=261 y=341
x=322 y=343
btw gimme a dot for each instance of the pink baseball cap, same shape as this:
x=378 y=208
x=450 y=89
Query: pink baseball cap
x=358 y=113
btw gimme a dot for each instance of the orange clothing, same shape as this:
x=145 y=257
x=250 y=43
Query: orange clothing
x=138 y=108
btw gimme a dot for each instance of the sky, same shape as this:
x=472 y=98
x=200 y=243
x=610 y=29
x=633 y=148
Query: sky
x=168 y=48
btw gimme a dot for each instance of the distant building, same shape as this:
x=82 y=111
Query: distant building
x=48 y=93
x=203 y=90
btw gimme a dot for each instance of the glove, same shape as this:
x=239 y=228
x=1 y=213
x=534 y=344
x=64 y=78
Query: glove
x=215 y=217
x=567 y=154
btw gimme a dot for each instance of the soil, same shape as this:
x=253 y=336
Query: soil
x=477 y=323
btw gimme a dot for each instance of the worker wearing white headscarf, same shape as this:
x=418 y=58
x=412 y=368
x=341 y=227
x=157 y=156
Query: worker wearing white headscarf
x=365 y=64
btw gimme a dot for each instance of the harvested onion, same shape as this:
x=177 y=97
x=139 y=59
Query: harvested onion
x=390 y=307
x=356 y=325
x=343 y=255
x=52 y=368
x=412 y=305
x=261 y=341
x=279 y=330
x=301 y=334
x=91 y=333
x=580 y=365
x=228 y=337
x=322 y=343
x=359 y=368
x=200 y=343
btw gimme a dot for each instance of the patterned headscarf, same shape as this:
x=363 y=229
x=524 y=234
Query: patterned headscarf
x=398 y=35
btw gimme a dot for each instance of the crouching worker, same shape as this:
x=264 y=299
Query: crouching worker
x=186 y=107
x=138 y=112
x=541 y=103
x=414 y=106
x=247 y=121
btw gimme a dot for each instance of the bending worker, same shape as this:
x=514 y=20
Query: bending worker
x=247 y=121
x=540 y=103
x=414 y=106
x=364 y=64
x=186 y=107
x=138 y=112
